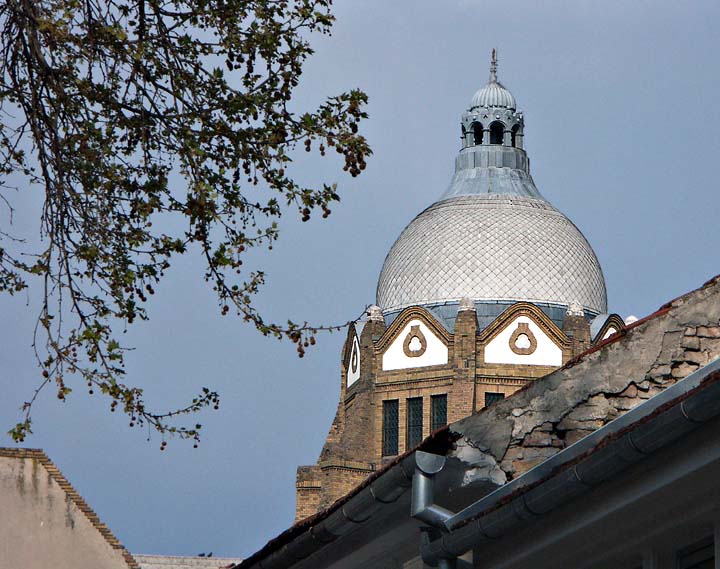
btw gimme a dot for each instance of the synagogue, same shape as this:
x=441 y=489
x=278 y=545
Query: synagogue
x=493 y=412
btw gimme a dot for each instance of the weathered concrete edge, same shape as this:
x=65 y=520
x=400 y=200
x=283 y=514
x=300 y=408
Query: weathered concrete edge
x=598 y=386
x=80 y=503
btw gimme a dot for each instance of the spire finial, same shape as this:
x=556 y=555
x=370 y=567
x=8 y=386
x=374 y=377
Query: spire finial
x=493 y=66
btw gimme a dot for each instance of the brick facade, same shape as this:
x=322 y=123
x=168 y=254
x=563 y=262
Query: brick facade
x=354 y=446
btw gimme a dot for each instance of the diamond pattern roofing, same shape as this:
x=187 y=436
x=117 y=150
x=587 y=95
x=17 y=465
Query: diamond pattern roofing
x=491 y=247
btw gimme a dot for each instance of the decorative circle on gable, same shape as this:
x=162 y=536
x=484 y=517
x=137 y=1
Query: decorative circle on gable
x=523 y=341
x=354 y=359
x=415 y=343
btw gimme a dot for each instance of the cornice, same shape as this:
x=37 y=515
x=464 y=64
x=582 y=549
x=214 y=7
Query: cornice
x=531 y=311
x=614 y=321
x=413 y=313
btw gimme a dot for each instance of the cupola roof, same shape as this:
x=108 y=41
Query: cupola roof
x=494 y=94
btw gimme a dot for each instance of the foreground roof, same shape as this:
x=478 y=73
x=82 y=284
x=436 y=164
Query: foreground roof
x=522 y=433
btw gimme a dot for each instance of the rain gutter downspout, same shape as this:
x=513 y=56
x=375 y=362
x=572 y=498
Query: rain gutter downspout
x=423 y=507
x=626 y=440
x=423 y=490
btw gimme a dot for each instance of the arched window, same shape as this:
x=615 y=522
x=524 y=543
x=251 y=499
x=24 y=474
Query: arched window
x=496 y=133
x=513 y=134
x=478 y=133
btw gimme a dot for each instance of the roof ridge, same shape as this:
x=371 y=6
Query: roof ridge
x=664 y=309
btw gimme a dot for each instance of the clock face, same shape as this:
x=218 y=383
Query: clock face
x=353 y=370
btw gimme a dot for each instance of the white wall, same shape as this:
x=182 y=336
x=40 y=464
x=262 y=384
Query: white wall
x=547 y=353
x=352 y=377
x=610 y=331
x=436 y=352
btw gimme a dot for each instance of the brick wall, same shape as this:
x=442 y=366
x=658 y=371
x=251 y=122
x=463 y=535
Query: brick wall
x=353 y=448
x=339 y=477
x=308 y=486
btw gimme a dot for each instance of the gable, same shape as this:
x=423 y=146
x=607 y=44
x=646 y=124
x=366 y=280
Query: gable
x=416 y=345
x=612 y=325
x=45 y=523
x=523 y=342
x=609 y=332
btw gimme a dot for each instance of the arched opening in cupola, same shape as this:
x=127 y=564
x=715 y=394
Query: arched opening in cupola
x=477 y=133
x=497 y=131
x=513 y=135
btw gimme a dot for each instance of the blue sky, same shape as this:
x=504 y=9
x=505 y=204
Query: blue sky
x=622 y=119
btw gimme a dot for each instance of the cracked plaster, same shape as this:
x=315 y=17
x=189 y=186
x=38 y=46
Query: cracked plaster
x=568 y=404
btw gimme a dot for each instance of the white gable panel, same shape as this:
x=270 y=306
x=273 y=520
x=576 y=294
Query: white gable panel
x=434 y=352
x=545 y=353
x=610 y=331
x=353 y=371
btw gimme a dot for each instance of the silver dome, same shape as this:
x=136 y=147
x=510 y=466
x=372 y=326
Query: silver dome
x=492 y=237
x=491 y=248
x=494 y=94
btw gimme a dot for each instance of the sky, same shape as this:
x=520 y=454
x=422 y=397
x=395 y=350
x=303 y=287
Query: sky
x=622 y=121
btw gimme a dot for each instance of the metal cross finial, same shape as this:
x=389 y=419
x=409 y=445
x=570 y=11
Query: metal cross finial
x=493 y=66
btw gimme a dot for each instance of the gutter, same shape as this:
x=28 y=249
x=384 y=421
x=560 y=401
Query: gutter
x=644 y=430
x=383 y=490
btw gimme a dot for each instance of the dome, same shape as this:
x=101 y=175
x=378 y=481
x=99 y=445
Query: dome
x=492 y=238
x=491 y=248
x=494 y=94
